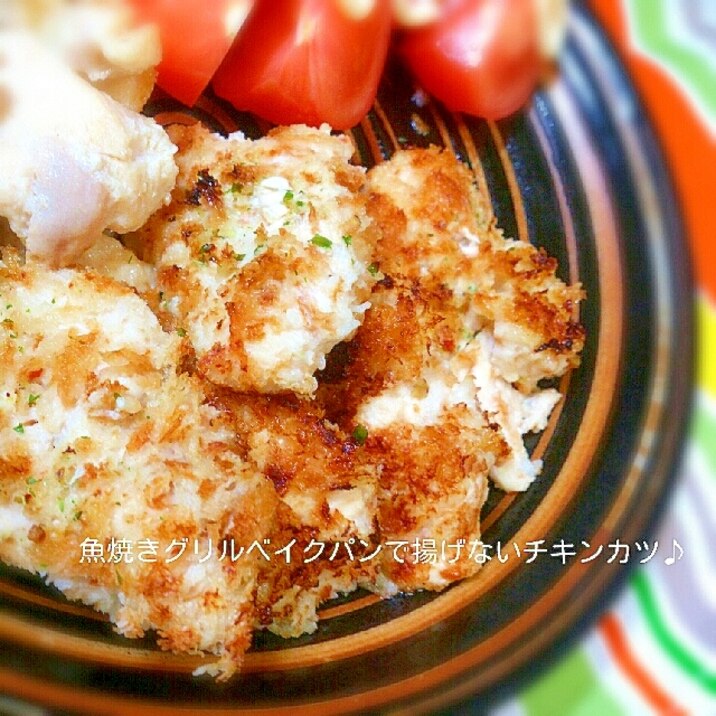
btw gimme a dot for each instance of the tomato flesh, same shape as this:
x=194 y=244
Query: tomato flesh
x=481 y=57
x=195 y=36
x=307 y=61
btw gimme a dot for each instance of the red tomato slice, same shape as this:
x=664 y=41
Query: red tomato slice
x=415 y=13
x=481 y=57
x=308 y=61
x=195 y=35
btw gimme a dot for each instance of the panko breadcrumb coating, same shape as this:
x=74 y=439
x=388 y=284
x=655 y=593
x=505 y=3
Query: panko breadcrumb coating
x=104 y=439
x=420 y=426
x=289 y=593
x=311 y=463
x=261 y=254
x=328 y=493
x=495 y=318
x=274 y=254
x=436 y=227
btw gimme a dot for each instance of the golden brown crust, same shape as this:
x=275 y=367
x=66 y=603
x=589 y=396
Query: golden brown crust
x=106 y=442
x=436 y=228
x=116 y=428
x=260 y=254
x=308 y=460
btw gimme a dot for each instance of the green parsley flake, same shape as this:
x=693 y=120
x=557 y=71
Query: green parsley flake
x=19 y=428
x=236 y=188
x=239 y=257
x=373 y=269
x=321 y=241
x=181 y=332
x=32 y=399
x=31 y=480
x=347 y=239
x=360 y=434
x=205 y=249
x=288 y=196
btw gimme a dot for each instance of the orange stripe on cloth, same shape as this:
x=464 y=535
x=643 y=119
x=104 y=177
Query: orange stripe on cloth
x=689 y=146
x=626 y=660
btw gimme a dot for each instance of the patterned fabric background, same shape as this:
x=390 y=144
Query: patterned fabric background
x=654 y=651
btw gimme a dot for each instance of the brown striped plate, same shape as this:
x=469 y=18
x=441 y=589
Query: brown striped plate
x=578 y=172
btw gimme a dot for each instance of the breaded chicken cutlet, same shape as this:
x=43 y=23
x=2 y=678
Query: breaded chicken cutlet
x=394 y=388
x=442 y=377
x=289 y=593
x=328 y=493
x=261 y=256
x=311 y=463
x=273 y=255
x=435 y=226
x=103 y=439
x=505 y=319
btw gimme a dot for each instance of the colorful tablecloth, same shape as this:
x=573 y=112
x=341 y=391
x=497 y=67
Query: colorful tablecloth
x=654 y=651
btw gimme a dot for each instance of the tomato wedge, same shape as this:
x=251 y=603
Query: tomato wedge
x=308 y=61
x=481 y=57
x=195 y=36
x=414 y=13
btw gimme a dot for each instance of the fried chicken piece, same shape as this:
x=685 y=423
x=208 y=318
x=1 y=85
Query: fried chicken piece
x=505 y=319
x=261 y=255
x=99 y=39
x=441 y=378
x=327 y=490
x=432 y=488
x=73 y=162
x=109 y=257
x=313 y=465
x=106 y=443
x=309 y=572
x=393 y=384
x=438 y=229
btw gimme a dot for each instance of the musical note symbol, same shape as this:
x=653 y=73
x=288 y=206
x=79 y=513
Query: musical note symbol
x=674 y=558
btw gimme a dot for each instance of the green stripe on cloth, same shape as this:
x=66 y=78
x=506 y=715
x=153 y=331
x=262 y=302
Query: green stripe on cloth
x=652 y=33
x=570 y=688
x=704 y=431
x=688 y=663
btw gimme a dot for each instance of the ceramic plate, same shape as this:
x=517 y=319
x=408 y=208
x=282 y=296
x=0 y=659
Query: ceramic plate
x=578 y=172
